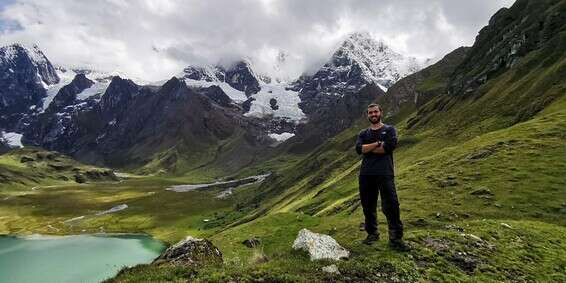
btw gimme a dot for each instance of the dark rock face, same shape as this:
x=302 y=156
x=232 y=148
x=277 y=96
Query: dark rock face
x=511 y=34
x=118 y=94
x=191 y=252
x=217 y=95
x=201 y=74
x=23 y=75
x=241 y=77
x=273 y=104
x=67 y=95
x=246 y=105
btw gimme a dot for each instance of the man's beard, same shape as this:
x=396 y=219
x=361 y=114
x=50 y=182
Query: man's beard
x=376 y=121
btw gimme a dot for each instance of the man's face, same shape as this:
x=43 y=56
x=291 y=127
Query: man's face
x=374 y=115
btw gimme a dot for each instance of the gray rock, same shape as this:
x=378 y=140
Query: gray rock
x=191 y=252
x=319 y=246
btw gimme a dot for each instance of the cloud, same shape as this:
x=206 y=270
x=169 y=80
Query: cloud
x=155 y=39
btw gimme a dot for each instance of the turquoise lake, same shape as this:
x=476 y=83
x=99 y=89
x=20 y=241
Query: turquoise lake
x=80 y=258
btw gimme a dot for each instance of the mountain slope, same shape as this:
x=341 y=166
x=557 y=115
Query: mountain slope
x=479 y=176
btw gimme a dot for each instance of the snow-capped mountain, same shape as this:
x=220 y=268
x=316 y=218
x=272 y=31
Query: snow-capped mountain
x=106 y=118
x=100 y=80
x=358 y=61
x=258 y=95
x=17 y=58
x=25 y=73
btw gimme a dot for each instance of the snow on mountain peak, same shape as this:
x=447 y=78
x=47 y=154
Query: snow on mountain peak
x=378 y=62
x=101 y=82
x=11 y=57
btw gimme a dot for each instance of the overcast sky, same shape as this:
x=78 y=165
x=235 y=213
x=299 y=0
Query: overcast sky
x=154 y=39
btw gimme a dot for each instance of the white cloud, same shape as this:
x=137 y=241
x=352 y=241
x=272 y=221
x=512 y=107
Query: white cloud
x=154 y=39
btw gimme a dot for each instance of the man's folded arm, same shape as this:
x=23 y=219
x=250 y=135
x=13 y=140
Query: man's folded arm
x=359 y=144
x=390 y=144
x=364 y=148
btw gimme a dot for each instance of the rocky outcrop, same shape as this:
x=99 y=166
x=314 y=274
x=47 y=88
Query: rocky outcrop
x=68 y=94
x=319 y=246
x=241 y=77
x=216 y=94
x=511 y=34
x=117 y=97
x=191 y=252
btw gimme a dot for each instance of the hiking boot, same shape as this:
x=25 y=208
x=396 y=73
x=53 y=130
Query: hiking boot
x=370 y=239
x=399 y=245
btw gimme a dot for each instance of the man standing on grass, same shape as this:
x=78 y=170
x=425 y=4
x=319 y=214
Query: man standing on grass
x=377 y=143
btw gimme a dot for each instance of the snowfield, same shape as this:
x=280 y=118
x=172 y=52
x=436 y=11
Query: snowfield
x=13 y=140
x=287 y=103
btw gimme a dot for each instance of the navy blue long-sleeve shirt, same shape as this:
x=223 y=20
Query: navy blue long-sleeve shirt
x=374 y=163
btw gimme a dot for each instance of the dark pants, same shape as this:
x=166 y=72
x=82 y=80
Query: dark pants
x=370 y=188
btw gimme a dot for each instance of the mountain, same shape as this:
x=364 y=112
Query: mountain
x=108 y=120
x=26 y=73
x=316 y=107
x=360 y=60
x=132 y=125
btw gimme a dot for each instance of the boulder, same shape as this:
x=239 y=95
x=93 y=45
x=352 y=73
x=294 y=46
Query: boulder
x=319 y=246
x=25 y=159
x=252 y=243
x=191 y=252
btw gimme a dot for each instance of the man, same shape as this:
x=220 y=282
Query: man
x=377 y=143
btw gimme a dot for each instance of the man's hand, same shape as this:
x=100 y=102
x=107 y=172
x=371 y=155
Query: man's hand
x=370 y=147
x=379 y=148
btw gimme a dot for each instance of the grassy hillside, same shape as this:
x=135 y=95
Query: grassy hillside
x=26 y=167
x=480 y=178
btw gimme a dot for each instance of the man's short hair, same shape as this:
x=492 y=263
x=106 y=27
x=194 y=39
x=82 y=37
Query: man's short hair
x=374 y=105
